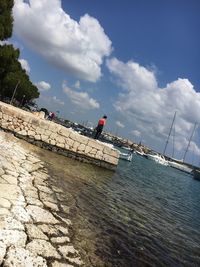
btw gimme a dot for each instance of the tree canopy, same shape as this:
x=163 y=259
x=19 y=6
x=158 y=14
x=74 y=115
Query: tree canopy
x=6 y=19
x=12 y=75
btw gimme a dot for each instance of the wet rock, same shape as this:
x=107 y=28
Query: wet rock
x=59 y=264
x=67 y=250
x=41 y=215
x=34 y=232
x=49 y=229
x=43 y=248
x=51 y=206
x=65 y=208
x=63 y=230
x=44 y=189
x=59 y=240
x=48 y=197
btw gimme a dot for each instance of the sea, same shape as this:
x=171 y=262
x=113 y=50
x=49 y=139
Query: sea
x=143 y=214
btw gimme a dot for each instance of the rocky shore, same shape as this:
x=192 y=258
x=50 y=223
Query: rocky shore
x=34 y=221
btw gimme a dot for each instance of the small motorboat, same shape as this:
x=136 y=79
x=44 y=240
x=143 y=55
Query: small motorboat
x=157 y=158
x=126 y=156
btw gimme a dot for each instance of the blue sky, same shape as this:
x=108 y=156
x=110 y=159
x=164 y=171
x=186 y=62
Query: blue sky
x=135 y=61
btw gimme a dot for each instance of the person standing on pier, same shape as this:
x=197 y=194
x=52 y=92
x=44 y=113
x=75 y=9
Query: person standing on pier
x=99 y=128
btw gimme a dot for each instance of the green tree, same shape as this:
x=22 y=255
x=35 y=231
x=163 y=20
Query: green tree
x=11 y=74
x=6 y=19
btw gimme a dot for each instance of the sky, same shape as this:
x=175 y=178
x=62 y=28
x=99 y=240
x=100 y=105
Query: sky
x=137 y=61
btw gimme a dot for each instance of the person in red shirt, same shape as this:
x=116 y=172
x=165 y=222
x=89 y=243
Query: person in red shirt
x=99 y=128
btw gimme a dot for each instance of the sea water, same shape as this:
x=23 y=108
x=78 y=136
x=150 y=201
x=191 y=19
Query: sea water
x=144 y=214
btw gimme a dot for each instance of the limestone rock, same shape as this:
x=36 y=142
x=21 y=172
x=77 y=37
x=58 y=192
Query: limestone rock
x=13 y=237
x=41 y=215
x=34 y=232
x=20 y=257
x=43 y=248
x=2 y=251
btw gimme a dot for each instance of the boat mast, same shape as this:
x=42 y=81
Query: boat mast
x=189 y=141
x=173 y=141
x=169 y=133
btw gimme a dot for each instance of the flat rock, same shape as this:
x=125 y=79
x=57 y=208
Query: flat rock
x=67 y=250
x=60 y=239
x=10 y=179
x=4 y=203
x=21 y=214
x=20 y=257
x=2 y=251
x=34 y=232
x=9 y=223
x=41 y=215
x=59 y=264
x=48 y=229
x=43 y=248
x=10 y=191
x=34 y=201
x=51 y=205
x=13 y=237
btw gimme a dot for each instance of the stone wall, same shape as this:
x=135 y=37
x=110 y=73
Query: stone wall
x=47 y=134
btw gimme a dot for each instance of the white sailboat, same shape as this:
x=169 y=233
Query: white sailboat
x=174 y=163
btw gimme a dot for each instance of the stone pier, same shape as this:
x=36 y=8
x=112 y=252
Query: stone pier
x=32 y=231
x=47 y=134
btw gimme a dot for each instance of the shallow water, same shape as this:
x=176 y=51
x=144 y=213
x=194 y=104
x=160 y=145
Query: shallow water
x=144 y=214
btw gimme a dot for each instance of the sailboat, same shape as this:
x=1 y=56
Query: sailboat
x=174 y=163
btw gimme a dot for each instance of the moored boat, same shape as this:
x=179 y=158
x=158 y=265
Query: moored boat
x=196 y=174
x=157 y=158
x=179 y=166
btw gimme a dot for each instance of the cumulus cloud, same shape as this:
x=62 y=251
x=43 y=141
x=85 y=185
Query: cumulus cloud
x=80 y=99
x=150 y=109
x=136 y=133
x=25 y=65
x=119 y=124
x=58 y=101
x=43 y=86
x=78 y=47
x=52 y=100
x=77 y=85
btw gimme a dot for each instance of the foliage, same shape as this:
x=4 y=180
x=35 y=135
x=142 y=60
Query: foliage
x=12 y=75
x=6 y=19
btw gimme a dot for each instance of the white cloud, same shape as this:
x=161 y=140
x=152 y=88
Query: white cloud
x=77 y=85
x=25 y=65
x=76 y=47
x=52 y=100
x=136 y=133
x=43 y=86
x=119 y=124
x=80 y=99
x=58 y=101
x=150 y=108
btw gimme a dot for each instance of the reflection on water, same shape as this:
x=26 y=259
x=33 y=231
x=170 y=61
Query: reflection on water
x=144 y=214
